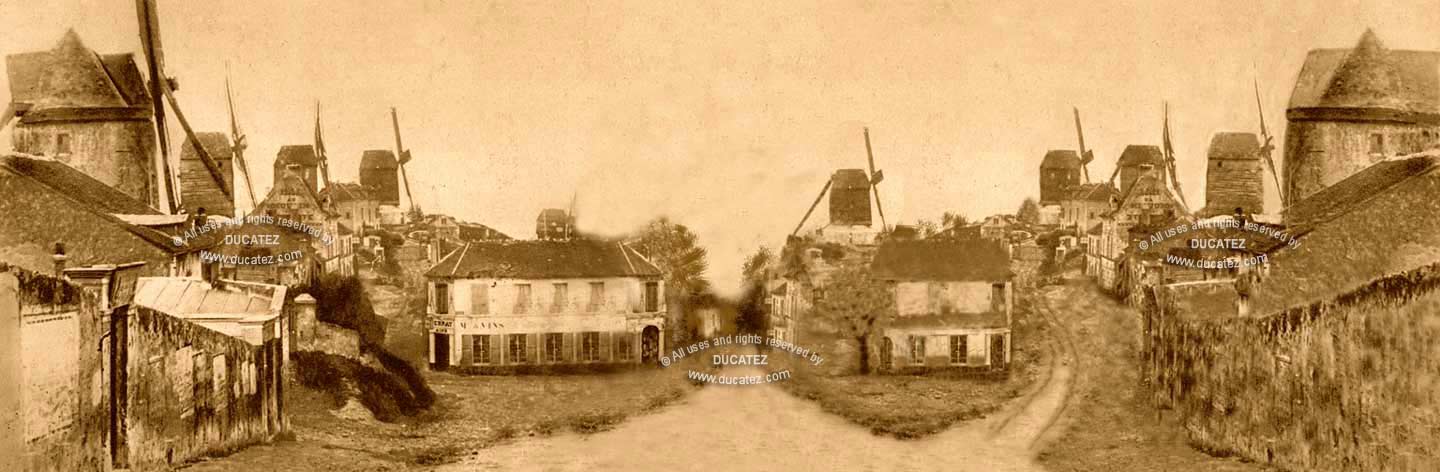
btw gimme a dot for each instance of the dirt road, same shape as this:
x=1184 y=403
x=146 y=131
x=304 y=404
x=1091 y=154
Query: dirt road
x=760 y=427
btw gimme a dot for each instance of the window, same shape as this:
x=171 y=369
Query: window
x=479 y=298
x=590 y=346
x=997 y=297
x=554 y=347
x=652 y=296
x=517 y=349
x=1377 y=143
x=917 y=350
x=481 y=346
x=562 y=297
x=597 y=296
x=522 y=298
x=442 y=299
x=958 y=349
x=622 y=347
x=62 y=144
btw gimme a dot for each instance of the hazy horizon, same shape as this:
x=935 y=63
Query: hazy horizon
x=726 y=117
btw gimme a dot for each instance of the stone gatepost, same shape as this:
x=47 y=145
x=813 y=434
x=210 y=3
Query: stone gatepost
x=304 y=312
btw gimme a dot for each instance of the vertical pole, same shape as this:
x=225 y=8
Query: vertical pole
x=12 y=393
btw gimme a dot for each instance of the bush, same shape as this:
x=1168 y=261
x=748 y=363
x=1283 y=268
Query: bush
x=342 y=301
x=387 y=395
x=420 y=391
x=318 y=371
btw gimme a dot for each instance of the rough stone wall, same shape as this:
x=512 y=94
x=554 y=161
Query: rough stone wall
x=1320 y=153
x=1347 y=384
x=66 y=407
x=193 y=391
x=117 y=153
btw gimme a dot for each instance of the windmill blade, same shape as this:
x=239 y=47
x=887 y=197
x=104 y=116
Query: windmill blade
x=818 y=198
x=402 y=156
x=149 y=22
x=1267 y=148
x=237 y=147
x=209 y=162
x=320 y=148
x=1170 y=161
x=1085 y=155
x=875 y=178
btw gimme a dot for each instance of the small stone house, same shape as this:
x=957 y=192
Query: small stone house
x=953 y=304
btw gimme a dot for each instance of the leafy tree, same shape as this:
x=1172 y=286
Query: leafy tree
x=926 y=228
x=751 y=315
x=953 y=219
x=757 y=266
x=858 y=305
x=682 y=261
x=415 y=215
x=1029 y=212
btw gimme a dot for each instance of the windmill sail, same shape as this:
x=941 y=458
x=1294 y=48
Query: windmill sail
x=1267 y=147
x=237 y=148
x=1085 y=155
x=320 y=149
x=402 y=155
x=875 y=178
x=1169 y=151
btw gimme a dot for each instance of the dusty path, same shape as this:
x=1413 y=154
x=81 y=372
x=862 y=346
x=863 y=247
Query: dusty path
x=760 y=427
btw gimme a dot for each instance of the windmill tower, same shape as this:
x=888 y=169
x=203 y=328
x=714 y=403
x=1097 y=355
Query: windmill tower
x=850 y=191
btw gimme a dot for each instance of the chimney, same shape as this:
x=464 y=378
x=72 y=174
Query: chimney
x=59 y=258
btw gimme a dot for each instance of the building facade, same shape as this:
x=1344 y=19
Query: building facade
x=1234 y=175
x=1059 y=173
x=506 y=307
x=953 y=302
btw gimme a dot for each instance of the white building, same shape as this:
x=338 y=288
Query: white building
x=498 y=307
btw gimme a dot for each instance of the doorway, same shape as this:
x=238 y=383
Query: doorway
x=887 y=353
x=997 y=351
x=442 y=352
x=649 y=345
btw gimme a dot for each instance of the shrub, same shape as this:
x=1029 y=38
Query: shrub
x=342 y=301
x=420 y=391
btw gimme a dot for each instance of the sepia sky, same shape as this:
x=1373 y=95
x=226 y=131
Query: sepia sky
x=727 y=116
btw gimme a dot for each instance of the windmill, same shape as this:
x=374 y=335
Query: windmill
x=402 y=155
x=851 y=198
x=320 y=149
x=1169 y=151
x=164 y=86
x=1267 y=147
x=1085 y=155
x=237 y=148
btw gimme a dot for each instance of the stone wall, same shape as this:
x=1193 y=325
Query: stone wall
x=191 y=391
x=1346 y=384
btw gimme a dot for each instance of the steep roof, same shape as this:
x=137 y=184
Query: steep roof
x=1097 y=192
x=1139 y=154
x=298 y=154
x=77 y=185
x=190 y=297
x=216 y=144
x=1060 y=158
x=479 y=232
x=1369 y=76
x=1351 y=193
x=850 y=178
x=347 y=192
x=941 y=260
x=378 y=159
x=543 y=260
x=1231 y=146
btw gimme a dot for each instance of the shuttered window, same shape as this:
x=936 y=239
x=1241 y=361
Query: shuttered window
x=597 y=296
x=481 y=349
x=562 y=298
x=522 y=298
x=517 y=349
x=652 y=296
x=623 y=349
x=959 y=350
x=442 y=299
x=479 y=298
x=917 y=350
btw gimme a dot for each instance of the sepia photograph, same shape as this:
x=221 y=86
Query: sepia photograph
x=639 y=235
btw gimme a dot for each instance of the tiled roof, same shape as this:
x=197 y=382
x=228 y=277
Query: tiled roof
x=1099 y=192
x=347 y=192
x=941 y=260
x=1140 y=154
x=77 y=185
x=1346 y=195
x=71 y=75
x=1060 y=158
x=1369 y=76
x=216 y=144
x=1230 y=146
x=543 y=260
